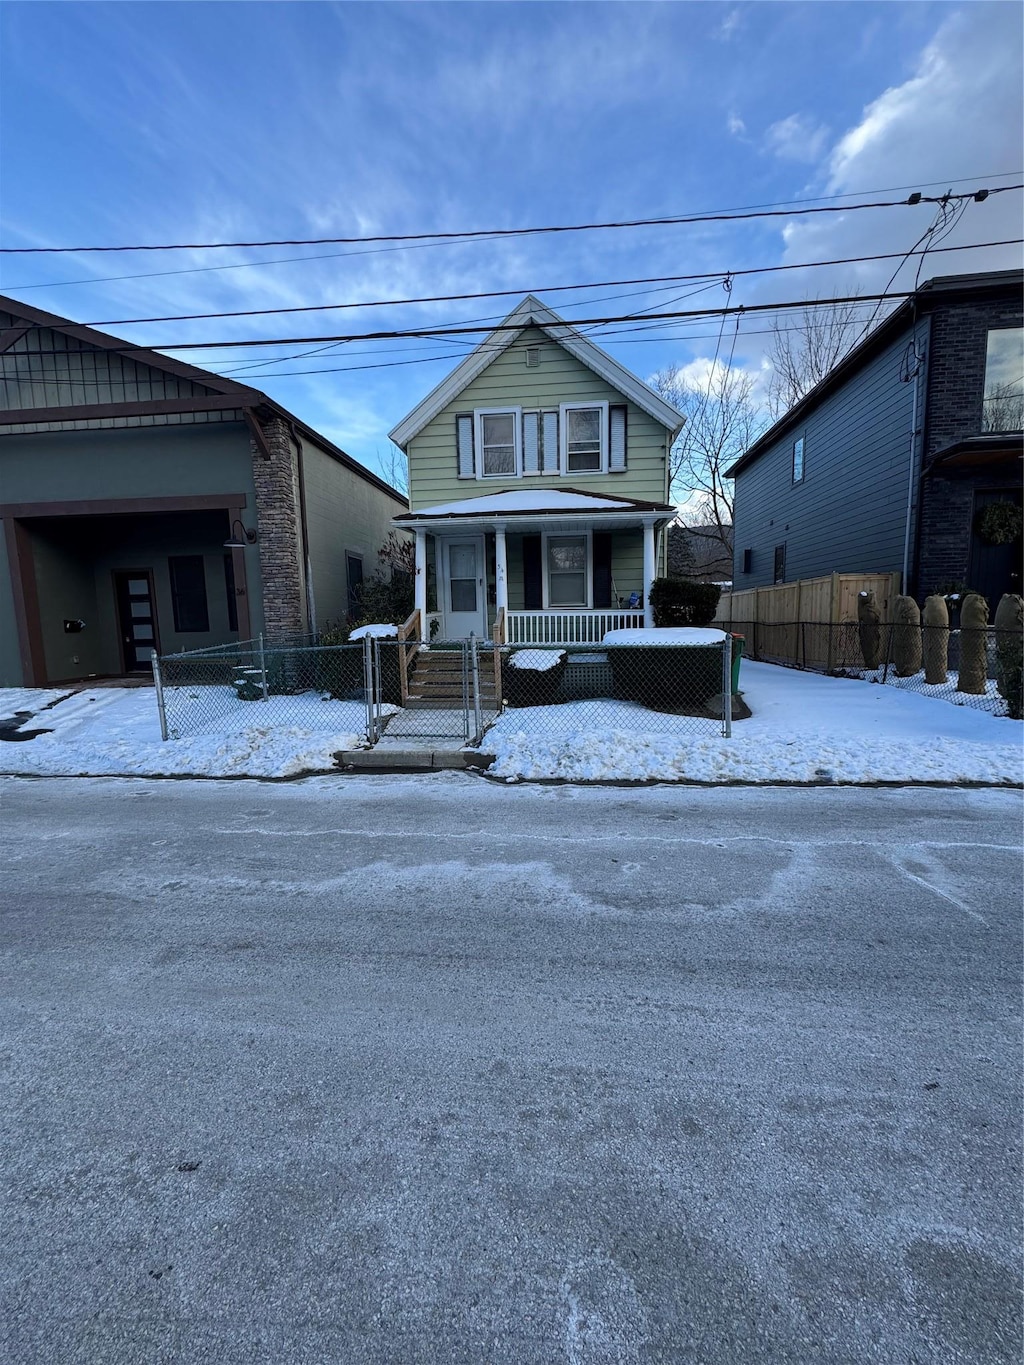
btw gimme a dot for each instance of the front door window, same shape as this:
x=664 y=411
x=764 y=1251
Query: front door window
x=137 y=619
x=464 y=588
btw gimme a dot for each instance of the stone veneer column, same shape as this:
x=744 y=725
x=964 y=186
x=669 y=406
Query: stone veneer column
x=277 y=517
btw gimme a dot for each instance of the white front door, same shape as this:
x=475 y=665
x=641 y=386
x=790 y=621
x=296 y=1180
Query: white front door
x=465 y=596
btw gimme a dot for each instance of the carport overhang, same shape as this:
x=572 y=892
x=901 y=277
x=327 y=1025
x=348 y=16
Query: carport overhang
x=17 y=518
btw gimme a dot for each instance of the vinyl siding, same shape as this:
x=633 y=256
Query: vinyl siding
x=48 y=369
x=559 y=378
x=849 y=513
x=344 y=515
x=627 y=567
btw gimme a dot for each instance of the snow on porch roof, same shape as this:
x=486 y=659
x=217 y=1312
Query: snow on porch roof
x=538 y=502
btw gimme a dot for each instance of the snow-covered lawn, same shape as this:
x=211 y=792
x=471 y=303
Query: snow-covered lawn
x=804 y=728
x=113 y=731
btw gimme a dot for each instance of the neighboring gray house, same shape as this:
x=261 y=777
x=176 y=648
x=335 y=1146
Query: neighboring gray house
x=888 y=463
x=147 y=503
x=538 y=487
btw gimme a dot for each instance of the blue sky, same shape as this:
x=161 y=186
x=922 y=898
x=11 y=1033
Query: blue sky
x=133 y=122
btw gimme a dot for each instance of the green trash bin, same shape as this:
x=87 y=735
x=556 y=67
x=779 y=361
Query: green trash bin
x=737 y=654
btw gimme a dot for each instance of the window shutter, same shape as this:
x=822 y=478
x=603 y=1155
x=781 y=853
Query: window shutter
x=531 y=443
x=616 y=439
x=464 y=429
x=533 y=586
x=551 y=442
x=601 y=544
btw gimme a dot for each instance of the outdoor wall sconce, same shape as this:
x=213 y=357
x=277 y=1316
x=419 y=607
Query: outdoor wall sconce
x=239 y=542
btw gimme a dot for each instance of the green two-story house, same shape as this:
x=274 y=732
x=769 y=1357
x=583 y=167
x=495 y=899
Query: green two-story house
x=538 y=489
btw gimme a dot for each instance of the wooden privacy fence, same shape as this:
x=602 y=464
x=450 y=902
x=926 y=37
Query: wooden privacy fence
x=772 y=618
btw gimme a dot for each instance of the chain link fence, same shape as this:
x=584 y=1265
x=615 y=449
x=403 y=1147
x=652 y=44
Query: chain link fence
x=291 y=683
x=976 y=668
x=383 y=689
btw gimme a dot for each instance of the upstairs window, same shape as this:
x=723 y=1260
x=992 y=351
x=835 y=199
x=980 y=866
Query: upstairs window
x=1002 y=407
x=498 y=443
x=584 y=438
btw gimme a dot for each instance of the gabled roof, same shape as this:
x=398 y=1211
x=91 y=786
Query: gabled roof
x=532 y=313
x=942 y=289
x=223 y=393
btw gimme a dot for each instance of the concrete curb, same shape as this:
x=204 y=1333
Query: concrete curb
x=409 y=760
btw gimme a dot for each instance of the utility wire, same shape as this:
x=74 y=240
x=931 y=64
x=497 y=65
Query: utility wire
x=439 y=332
x=710 y=276
x=494 y=234
x=422 y=246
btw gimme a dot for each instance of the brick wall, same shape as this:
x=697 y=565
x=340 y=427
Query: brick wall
x=277 y=515
x=953 y=410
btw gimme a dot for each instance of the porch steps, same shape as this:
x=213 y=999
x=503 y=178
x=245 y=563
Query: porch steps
x=435 y=681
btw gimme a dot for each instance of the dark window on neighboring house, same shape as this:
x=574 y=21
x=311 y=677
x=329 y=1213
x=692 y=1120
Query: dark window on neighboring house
x=354 y=569
x=748 y=557
x=188 y=593
x=229 y=586
x=798 y=460
x=1002 y=407
x=780 y=564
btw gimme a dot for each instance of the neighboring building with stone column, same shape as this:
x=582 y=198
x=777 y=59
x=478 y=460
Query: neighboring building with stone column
x=538 y=488
x=895 y=460
x=147 y=503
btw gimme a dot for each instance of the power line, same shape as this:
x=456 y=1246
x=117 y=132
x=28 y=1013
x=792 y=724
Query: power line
x=495 y=234
x=439 y=332
x=710 y=276
x=340 y=255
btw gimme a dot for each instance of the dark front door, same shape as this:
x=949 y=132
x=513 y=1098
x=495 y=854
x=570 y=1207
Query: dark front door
x=994 y=569
x=136 y=619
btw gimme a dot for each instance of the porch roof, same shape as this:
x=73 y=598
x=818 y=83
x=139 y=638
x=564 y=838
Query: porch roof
x=521 y=505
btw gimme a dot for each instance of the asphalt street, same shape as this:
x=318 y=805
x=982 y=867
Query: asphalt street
x=370 y=1069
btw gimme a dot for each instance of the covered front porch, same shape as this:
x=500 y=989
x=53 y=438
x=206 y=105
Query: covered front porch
x=544 y=567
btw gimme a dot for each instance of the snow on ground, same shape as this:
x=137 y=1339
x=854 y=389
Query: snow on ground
x=379 y=631
x=15 y=699
x=805 y=728
x=991 y=702
x=114 y=731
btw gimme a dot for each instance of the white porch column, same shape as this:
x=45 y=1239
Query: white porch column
x=650 y=571
x=500 y=570
x=420 y=586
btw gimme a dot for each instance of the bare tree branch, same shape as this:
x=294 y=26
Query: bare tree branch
x=803 y=354
x=722 y=420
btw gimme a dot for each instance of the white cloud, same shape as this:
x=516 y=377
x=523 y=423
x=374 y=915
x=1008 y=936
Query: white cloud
x=736 y=125
x=732 y=22
x=797 y=138
x=958 y=115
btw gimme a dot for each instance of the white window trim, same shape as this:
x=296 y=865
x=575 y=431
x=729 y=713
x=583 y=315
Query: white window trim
x=563 y=439
x=517 y=437
x=589 y=572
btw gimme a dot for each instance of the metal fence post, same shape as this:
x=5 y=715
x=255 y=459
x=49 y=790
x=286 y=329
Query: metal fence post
x=159 y=684
x=378 y=692
x=368 y=688
x=727 y=686
x=263 y=670
x=474 y=663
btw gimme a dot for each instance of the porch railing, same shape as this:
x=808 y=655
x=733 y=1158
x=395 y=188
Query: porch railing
x=410 y=630
x=567 y=627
